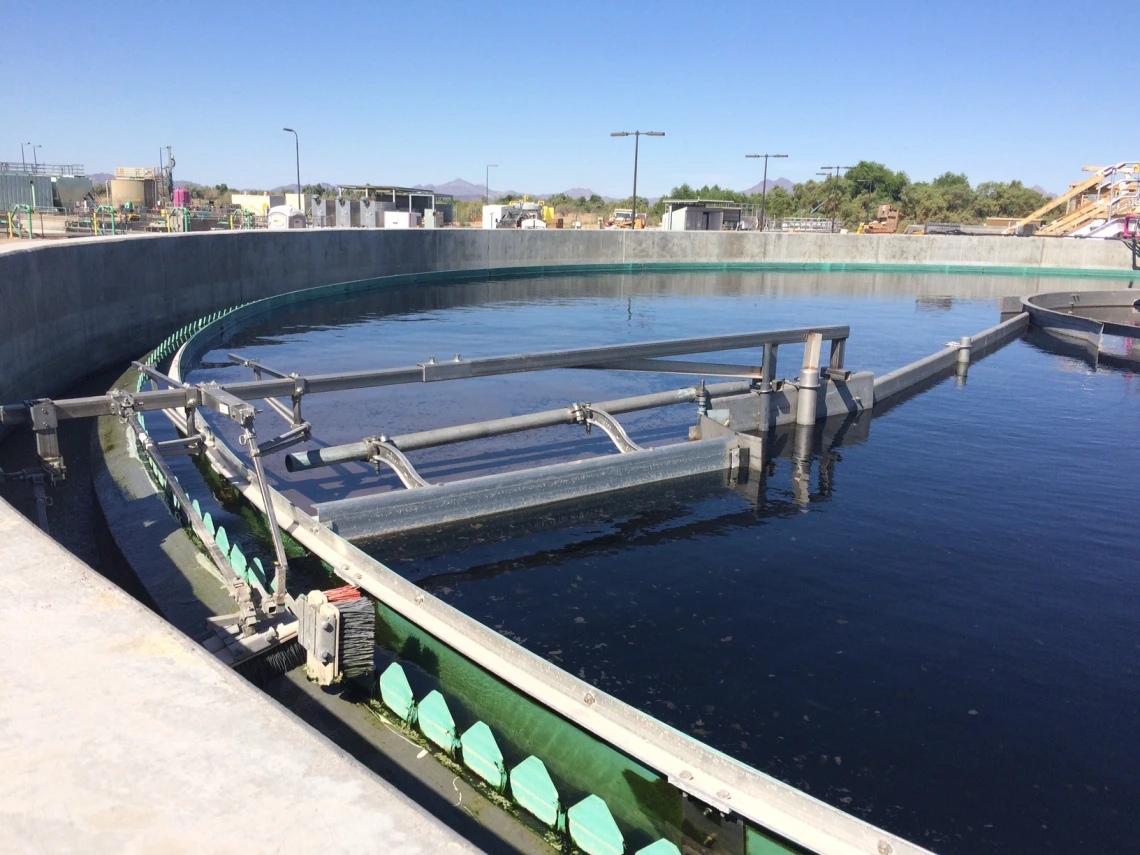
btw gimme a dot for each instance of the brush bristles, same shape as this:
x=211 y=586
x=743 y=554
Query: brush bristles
x=263 y=667
x=357 y=637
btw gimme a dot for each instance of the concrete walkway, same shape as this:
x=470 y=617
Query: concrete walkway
x=120 y=735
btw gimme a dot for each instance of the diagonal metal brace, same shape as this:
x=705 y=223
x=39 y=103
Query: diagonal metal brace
x=584 y=414
x=383 y=453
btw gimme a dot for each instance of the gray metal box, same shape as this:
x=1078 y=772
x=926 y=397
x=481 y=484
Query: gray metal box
x=347 y=213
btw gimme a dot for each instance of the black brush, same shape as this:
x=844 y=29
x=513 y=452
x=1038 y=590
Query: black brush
x=357 y=637
x=271 y=663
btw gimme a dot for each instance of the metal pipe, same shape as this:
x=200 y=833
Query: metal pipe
x=302 y=460
x=767 y=374
x=809 y=381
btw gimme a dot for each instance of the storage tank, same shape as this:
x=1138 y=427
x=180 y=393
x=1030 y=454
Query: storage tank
x=286 y=217
x=181 y=197
x=137 y=192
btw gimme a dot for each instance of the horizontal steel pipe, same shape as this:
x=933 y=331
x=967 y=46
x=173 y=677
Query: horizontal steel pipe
x=301 y=460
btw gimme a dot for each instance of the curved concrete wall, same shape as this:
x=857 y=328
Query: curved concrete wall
x=69 y=309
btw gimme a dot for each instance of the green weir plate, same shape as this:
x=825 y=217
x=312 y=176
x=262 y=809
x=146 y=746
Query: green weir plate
x=532 y=788
x=397 y=693
x=661 y=847
x=223 y=540
x=436 y=721
x=238 y=562
x=208 y=521
x=592 y=828
x=482 y=756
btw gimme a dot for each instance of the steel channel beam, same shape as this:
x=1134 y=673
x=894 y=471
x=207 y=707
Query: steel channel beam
x=302 y=460
x=903 y=378
x=471 y=498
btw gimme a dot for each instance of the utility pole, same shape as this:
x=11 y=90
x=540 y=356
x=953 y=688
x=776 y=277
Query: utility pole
x=297 y=140
x=637 y=135
x=835 y=191
x=764 y=186
x=487 y=184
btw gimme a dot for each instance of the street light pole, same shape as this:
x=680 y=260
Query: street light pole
x=23 y=162
x=35 y=160
x=637 y=135
x=764 y=186
x=297 y=141
x=487 y=184
x=835 y=191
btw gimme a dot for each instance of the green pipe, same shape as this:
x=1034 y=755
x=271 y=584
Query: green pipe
x=95 y=218
x=28 y=209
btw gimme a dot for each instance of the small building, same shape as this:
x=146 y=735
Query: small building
x=286 y=217
x=492 y=214
x=701 y=215
x=401 y=220
x=259 y=203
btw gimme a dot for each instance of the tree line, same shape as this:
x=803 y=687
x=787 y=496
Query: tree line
x=852 y=198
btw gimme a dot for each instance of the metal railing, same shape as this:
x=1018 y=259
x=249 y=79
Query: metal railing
x=74 y=169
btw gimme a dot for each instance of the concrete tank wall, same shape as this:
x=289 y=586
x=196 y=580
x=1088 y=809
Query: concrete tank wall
x=71 y=308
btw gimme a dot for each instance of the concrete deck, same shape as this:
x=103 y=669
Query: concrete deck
x=121 y=735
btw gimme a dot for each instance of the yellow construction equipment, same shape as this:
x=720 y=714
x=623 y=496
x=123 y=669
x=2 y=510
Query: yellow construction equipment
x=885 y=223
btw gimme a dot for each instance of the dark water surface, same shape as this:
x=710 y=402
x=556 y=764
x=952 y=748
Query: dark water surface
x=931 y=623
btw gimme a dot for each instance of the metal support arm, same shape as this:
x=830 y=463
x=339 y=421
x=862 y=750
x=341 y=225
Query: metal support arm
x=382 y=453
x=586 y=415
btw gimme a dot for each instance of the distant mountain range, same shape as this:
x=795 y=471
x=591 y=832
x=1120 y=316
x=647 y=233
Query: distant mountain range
x=1044 y=192
x=465 y=191
x=772 y=182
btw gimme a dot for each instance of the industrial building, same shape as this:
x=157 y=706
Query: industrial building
x=701 y=215
x=43 y=186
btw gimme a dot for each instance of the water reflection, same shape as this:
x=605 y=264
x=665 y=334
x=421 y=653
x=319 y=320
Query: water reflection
x=802 y=458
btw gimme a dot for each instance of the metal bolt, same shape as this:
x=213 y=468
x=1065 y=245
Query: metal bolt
x=359 y=575
x=885 y=848
x=589 y=699
x=686 y=775
x=419 y=599
x=327 y=626
x=723 y=794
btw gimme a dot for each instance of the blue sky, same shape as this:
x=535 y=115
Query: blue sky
x=426 y=92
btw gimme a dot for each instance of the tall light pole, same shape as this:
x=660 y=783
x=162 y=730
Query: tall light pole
x=835 y=190
x=35 y=161
x=297 y=140
x=23 y=162
x=764 y=186
x=637 y=135
x=487 y=184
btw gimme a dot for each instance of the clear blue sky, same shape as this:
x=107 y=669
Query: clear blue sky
x=426 y=92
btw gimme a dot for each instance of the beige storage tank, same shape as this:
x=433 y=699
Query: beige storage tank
x=137 y=192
